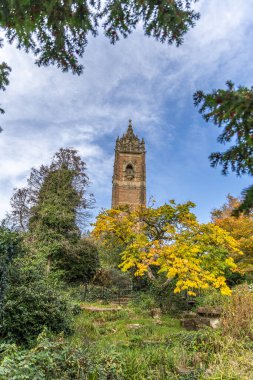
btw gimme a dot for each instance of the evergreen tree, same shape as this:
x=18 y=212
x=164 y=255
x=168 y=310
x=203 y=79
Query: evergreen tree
x=57 y=31
x=232 y=110
x=31 y=302
x=4 y=73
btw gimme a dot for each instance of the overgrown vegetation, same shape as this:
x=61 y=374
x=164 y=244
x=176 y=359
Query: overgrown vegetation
x=31 y=302
x=131 y=344
x=69 y=312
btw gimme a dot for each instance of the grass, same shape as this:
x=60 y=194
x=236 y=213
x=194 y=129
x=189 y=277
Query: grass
x=112 y=327
x=128 y=344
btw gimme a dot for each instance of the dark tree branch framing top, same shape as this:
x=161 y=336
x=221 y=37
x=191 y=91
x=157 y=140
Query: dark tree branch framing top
x=232 y=110
x=56 y=31
x=4 y=80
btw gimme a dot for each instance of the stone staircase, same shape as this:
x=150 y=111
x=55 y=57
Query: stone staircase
x=122 y=301
x=204 y=316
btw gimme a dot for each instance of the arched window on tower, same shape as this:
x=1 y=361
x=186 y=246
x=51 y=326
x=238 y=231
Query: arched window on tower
x=129 y=172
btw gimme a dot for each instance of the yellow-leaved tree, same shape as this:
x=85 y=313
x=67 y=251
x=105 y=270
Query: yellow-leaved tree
x=240 y=228
x=169 y=241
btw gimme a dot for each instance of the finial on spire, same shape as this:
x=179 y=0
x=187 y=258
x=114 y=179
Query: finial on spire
x=130 y=131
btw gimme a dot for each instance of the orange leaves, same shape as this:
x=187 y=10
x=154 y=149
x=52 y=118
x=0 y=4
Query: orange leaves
x=241 y=229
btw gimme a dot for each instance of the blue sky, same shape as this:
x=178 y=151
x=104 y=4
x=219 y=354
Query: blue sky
x=141 y=79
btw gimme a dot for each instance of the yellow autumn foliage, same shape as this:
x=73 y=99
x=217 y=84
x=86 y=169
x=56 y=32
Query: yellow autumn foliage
x=171 y=239
x=240 y=228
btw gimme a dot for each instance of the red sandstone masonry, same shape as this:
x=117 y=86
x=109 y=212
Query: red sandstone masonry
x=129 y=177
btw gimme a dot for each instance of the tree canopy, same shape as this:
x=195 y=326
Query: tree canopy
x=168 y=240
x=240 y=228
x=232 y=111
x=55 y=197
x=53 y=209
x=57 y=31
x=10 y=247
x=4 y=74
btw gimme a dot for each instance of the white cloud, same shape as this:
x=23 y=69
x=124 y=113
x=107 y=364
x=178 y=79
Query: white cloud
x=137 y=78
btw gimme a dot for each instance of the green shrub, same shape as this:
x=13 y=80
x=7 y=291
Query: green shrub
x=212 y=298
x=144 y=301
x=10 y=247
x=32 y=301
x=50 y=359
x=112 y=278
x=78 y=260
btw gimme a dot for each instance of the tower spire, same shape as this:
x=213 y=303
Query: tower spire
x=129 y=142
x=129 y=177
x=130 y=132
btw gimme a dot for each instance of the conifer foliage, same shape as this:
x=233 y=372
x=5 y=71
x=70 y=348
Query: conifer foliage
x=232 y=111
x=57 y=31
x=4 y=80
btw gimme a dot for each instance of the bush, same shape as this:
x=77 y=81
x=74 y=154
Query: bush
x=111 y=277
x=10 y=247
x=212 y=298
x=79 y=260
x=144 y=301
x=169 y=301
x=237 y=320
x=31 y=302
x=51 y=359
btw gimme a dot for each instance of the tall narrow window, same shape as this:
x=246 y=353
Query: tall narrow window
x=129 y=172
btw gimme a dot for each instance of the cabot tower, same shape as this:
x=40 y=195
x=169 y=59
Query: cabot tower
x=129 y=176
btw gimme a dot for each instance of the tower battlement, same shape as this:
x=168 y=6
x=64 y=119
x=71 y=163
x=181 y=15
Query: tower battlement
x=130 y=142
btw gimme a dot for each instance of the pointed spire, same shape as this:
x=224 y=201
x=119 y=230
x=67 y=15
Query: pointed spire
x=129 y=142
x=130 y=132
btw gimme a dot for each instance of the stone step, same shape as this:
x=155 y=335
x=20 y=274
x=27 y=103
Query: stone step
x=200 y=322
x=209 y=311
x=122 y=300
x=99 y=309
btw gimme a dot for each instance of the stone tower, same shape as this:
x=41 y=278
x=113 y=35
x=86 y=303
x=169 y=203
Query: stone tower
x=129 y=176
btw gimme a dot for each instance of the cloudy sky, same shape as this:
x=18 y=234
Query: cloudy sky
x=141 y=79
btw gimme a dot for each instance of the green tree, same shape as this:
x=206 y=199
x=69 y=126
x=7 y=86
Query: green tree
x=79 y=260
x=55 y=198
x=10 y=247
x=232 y=111
x=53 y=208
x=57 y=31
x=4 y=74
